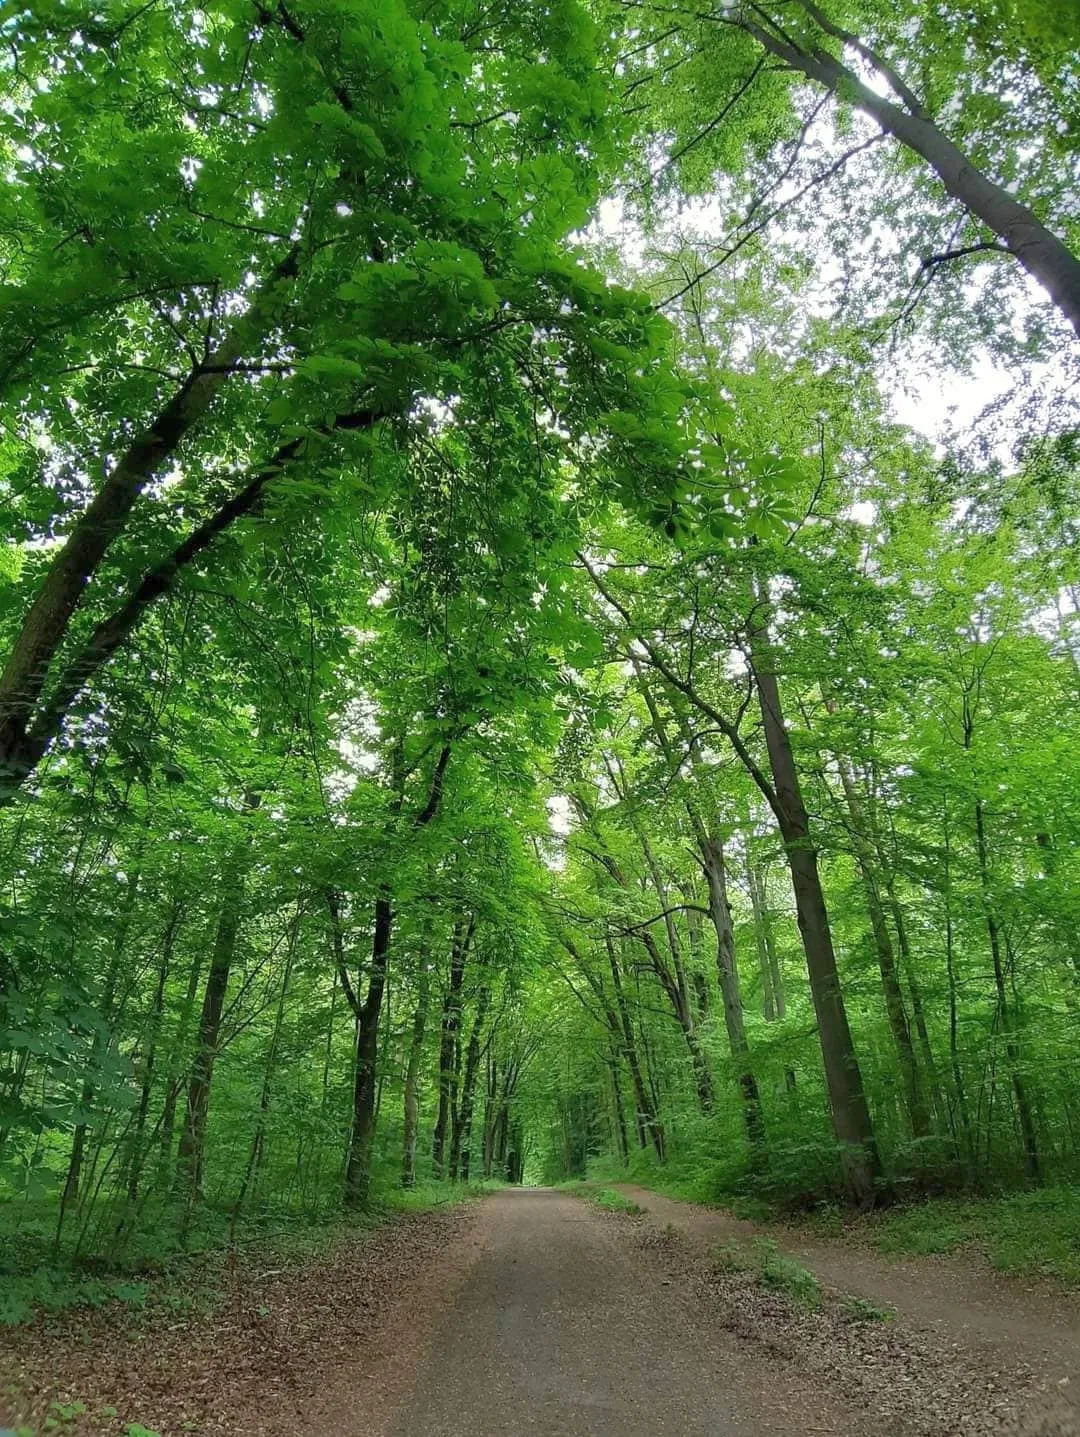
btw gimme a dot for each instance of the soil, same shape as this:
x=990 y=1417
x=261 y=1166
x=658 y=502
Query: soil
x=533 y=1311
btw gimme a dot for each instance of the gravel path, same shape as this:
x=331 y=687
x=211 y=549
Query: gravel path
x=561 y=1328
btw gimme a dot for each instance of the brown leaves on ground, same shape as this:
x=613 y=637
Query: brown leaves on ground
x=307 y=1344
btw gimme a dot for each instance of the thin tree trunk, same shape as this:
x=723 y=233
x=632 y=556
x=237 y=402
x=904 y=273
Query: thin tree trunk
x=461 y=1140
x=190 y=1163
x=174 y=1083
x=711 y=857
x=1012 y=1052
x=411 y=1099
x=621 y=1136
x=102 y=1040
x=711 y=853
x=918 y=1116
x=648 y=1123
x=766 y=945
x=135 y=1160
x=254 y=1161
x=970 y=1140
x=847 y=1099
x=358 y=1163
x=448 y=1042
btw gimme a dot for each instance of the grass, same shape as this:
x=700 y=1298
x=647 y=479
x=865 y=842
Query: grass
x=1036 y=1232
x=615 y=1202
x=772 y=1268
x=155 y=1270
x=783 y=1274
x=861 y=1309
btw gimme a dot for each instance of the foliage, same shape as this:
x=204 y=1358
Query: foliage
x=781 y=1272
x=860 y=1309
x=479 y=704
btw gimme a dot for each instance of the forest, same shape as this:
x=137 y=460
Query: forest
x=539 y=608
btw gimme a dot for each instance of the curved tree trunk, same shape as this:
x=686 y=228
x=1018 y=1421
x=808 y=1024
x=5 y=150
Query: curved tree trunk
x=1045 y=257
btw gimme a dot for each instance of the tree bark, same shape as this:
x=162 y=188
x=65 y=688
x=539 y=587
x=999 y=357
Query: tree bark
x=712 y=865
x=648 y=1124
x=365 y=1080
x=918 y=1115
x=448 y=1042
x=190 y=1163
x=461 y=1141
x=157 y=1008
x=711 y=857
x=1028 y=1135
x=358 y=1166
x=772 y=978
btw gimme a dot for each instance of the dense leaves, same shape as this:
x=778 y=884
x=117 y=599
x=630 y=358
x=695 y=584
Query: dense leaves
x=478 y=701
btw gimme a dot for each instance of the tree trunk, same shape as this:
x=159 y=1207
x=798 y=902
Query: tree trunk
x=255 y=1155
x=412 y=1071
x=621 y=1135
x=773 y=981
x=918 y=1115
x=365 y=1078
x=712 y=864
x=102 y=1040
x=190 y=1163
x=358 y=1165
x=711 y=857
x=847 y=1100
x=461 y=1141
x=649 y=1128
x=970 y=1140
x=1012 y=1052
x=448 y=1042
x=157 y=1008
x=1047 y=258
x=174 y=1083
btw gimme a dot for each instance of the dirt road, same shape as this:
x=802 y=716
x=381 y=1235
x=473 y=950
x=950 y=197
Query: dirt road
x=533 y=1311
x=559 y=1330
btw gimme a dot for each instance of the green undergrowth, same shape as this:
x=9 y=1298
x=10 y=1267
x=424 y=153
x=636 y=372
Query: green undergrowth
x=62 y=1416
x=163 y=1266
x=615 y=1202
x=780 y=1272
x=1030 y=1232
x=1036 y=1232
x=772 y=1269
x=797 y=1176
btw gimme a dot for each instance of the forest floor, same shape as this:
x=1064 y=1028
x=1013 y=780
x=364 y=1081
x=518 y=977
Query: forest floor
x=532 y=1311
